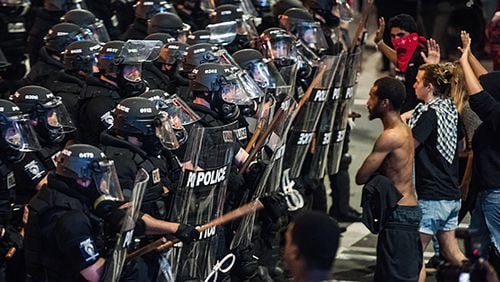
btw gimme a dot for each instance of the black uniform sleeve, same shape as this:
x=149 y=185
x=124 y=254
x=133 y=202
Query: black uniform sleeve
x=75 y=240
x=486 y=107
x=425 y=125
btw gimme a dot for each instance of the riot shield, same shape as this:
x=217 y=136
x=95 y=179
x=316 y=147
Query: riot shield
x=269 y=180
x=302 y=130
x=324 y=129
x=200 y=197
x=349 y=81
x=114 y=265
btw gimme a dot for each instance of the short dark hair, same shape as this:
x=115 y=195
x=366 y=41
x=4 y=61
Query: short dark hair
x=391 y=89
x=404 y=22
x=317 y=238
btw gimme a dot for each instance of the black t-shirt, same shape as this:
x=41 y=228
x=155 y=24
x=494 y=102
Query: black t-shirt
x=435 y=178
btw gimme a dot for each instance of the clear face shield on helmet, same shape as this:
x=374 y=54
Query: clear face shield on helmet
x=165 y=133
x=139 y=51
x=106 y=179
x=180 y=115
x=283 y=51
x=99 y=32
x=57 y=117
x=311 y=34
x=265 y=74
x=222 y=33
x=240 y=89
x=19 y=134
x=132 y=72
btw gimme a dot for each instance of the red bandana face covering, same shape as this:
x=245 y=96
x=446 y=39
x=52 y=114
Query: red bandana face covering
x=405 y=47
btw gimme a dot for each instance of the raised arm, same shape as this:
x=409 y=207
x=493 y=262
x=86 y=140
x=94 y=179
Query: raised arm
x=384 y=145
x=382 y=47
x=471 y=81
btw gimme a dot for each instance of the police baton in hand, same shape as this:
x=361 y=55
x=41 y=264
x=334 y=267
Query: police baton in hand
x=356 y=40
x=164 y=244
x=278 y=116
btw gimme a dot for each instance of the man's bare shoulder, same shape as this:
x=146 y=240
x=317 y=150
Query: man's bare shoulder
x=393 y=138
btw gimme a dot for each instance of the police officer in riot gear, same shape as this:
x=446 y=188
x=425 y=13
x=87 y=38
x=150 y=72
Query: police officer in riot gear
x=171 y=56
x=137 y=139
x=242 y=34
x=262 y=70
x=117 y=79
x=13 y=43
x=53 y=127
x=80 y=62
x=51 y=55
x=169 y=23
x=181 y=118
x=46 y=17
x=65 y=238
x=144 y=10
x=88 y=22
x=301 y=23
x=153 y=71
x=17 y=138
x=194 y=56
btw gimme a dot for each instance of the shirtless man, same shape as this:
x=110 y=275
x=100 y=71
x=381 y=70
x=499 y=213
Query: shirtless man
x=399 y=251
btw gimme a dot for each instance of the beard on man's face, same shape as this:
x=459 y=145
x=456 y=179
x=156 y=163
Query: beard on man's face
x=374 y=113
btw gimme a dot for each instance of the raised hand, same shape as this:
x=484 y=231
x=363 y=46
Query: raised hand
x=380 y=31
x=433 y=52
x=466 y=42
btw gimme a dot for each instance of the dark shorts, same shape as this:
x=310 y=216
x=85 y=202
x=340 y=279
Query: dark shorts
x=399 y=250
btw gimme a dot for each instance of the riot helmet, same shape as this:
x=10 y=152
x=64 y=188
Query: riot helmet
x=81 y=56
x=91 y=169
x=180 y=115
x=226 y=87
x=17 y=133
x=171 y=56
x=278 y=45
x=199 y=36
x=231 y=28
x=169 y=23
x=47 y=113
x=61 y=35
x=14 y=7
x=262 y=70
x=63 y=5
x=301 y=23
x=146 y=9
x=198 y=54
x=88 y=22
x=160 y=36
x=139 y=117
x=324 y=9
x=281 y=6
x=122 y=62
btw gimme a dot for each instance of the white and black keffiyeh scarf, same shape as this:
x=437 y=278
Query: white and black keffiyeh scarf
x=447 y=120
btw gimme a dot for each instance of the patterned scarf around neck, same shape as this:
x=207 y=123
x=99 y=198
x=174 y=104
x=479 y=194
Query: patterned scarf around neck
x=447 y=120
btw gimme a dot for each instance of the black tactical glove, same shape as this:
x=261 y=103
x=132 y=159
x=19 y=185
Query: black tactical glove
x=275 y=205
x=110 y=211
x=187 y=233
x=11 y=238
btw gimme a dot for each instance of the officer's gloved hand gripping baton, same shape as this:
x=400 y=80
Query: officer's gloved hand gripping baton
x=163 y=244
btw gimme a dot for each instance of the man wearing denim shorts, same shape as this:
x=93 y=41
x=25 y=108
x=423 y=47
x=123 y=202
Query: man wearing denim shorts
x=436 y=134
x=399 y=250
